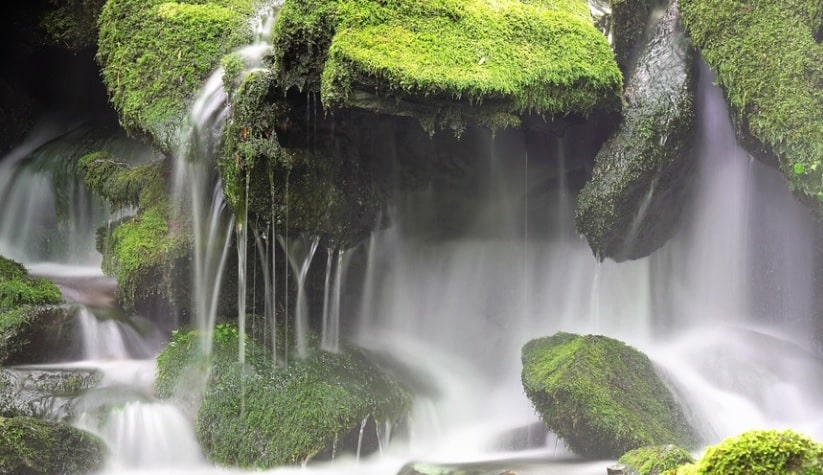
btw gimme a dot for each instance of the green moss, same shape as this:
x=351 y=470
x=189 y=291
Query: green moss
x=657 y=459
x=31 y=446
x=17 y=288
x=155 y=56
x=260 y=415
x=764 y=452
x=147 y=252
x=72 y=24
x=771 y=69
x=440 y=60
x=600 y=395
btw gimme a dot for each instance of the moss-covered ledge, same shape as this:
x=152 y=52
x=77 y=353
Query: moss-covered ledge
x=156 y=54
x=448 y=61
x=770 y=67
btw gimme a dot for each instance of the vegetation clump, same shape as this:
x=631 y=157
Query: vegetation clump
x=259 y=414
x=156 y=54
x=35 y=447
x=443 y=61
x=759 y=452
x=18 y=288
x=656 y=459
x=602 y=397
x=770 y=67
x=147 y=253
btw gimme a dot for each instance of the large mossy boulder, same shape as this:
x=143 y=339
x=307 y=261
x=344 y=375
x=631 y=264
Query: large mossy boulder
x=768 y=59
x=259 y=415
x=601 y=396
x=446 y=61
x=155 y=55
x=759 y=452
x=632 y=203
x=30 y=446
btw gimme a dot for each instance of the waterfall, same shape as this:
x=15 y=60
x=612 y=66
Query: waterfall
x=198 y=187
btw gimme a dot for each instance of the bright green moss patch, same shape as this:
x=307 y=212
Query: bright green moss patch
x=18 y=288
x=441 y=59
x=155 y=56
x=656 y=459
x=33 y=447
x=763 y=452
x=261 y=415
x=771 y=69
x=602 y=397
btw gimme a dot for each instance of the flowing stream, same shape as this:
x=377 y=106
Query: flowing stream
x=724 y=309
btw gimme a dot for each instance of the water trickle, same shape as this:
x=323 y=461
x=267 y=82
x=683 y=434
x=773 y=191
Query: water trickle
x=330 y=337
x=360 y=436
x=300 y=253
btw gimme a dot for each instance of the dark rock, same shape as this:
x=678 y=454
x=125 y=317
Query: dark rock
x=44 y=393
x=632 y=203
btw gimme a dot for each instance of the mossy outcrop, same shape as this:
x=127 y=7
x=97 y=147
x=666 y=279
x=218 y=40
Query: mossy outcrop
x=30 y=446
x=602 y=397
x=148 y=252
x=769 y=63
x=759 y=452
x=632 y=203
x=655 y=460
x=29 y=314
x=259 y=415
x=445 y=61
x=156 y=54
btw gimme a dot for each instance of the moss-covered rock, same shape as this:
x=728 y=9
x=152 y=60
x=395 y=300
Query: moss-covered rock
x=262 y=415
x=760 y=452
x=156 y=54
x=444 y=61
x=148 y=252
x=657 y=459
x=769 y=63
x=30 y=446
x=29 y=316
x=630 y=21
x=18 y=288
x=632 y=203
x=602 y=397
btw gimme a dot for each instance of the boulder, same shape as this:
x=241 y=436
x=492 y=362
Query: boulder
x=601 y=396
x=30 y=446
x=769 y=62
x=760 y=451
x=631 y=205
x=258 y=415
x=655 y=460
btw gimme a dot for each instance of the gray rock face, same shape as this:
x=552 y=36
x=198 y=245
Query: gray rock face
x=44 y=393
x=632 y=203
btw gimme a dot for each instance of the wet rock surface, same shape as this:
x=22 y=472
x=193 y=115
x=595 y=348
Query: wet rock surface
x=632 y=203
